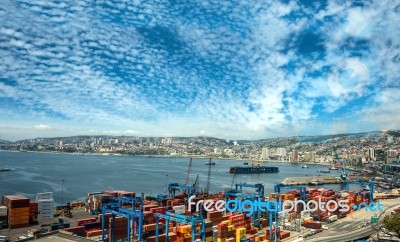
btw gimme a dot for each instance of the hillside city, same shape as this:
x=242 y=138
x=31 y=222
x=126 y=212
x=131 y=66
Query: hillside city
x=354 y=149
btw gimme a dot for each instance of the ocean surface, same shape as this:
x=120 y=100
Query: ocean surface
x=43 y=172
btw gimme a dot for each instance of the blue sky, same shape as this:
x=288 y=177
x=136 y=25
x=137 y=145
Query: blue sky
x=230 y=69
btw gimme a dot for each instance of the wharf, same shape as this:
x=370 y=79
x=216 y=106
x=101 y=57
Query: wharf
x=305 y=180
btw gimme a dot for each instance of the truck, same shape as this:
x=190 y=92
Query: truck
x=332 y=219
x=312 y=225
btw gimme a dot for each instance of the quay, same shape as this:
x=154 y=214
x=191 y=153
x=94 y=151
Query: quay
x=305 y=180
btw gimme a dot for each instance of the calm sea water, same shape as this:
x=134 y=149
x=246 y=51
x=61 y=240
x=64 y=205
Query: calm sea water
x=43 y=172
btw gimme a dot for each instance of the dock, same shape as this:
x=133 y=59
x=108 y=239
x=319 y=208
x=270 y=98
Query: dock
x=322 y=180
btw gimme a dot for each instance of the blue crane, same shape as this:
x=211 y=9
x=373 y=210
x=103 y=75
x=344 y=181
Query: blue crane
x=160 y=198
x=344 y=175
x=370 y=185
x=303 y=190
x=259 y=188
x=192 y=220
x=258 y=194
x=174 y=187
x=134 y=215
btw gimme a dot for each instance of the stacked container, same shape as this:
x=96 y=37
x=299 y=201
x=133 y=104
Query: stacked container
x=3 y=216
x=33 y=212
x=120 y=228
x=45 y=204
x=18 y=211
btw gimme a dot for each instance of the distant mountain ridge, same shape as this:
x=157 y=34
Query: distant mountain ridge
x=195 y=139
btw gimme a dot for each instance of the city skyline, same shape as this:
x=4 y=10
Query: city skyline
x=229 y=70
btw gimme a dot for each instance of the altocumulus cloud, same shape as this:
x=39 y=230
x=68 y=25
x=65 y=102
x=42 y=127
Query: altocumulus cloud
x=230 y=69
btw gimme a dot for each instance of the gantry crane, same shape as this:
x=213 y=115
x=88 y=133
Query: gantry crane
x=370 y=185
x=134 y=216
x=192 y=220
x=174 y=187
x=258 y=194
x=302 y=189
x=343 y=175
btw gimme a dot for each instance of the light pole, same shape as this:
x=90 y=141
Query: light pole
x=62 y=197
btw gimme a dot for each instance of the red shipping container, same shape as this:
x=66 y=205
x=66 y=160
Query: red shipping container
x=16 y=201
x=81 y=222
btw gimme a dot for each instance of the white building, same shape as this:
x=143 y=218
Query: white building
x=371 y=153
x=217 y=151
x=229 y=152
x=264 y=153
x=281 y=152
x=166 y=141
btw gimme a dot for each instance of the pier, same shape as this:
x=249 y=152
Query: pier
x=305 y=180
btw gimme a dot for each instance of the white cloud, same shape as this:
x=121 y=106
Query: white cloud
x=237 y=75
x=355 y=83
x=42 y=127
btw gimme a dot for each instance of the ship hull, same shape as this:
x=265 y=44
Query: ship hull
x=254 y=169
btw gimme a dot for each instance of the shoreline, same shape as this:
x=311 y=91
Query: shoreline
x=169 y=156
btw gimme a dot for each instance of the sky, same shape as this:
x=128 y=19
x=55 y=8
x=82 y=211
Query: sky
x=230 y=69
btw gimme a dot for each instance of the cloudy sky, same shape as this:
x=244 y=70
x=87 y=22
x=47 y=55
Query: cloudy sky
x=230 y=69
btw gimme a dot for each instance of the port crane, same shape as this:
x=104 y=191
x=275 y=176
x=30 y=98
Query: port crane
x=192 y=220
x=134 y=216
x=302 y=189
x=259 y=188
x=174 y=187
x=343 y=175
x=258 y=194
x=370 y=185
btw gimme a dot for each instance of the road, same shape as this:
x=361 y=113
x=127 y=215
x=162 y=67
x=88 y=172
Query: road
x=351 y=227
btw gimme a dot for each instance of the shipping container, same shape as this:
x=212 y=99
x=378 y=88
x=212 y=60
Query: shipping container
x=44 y=196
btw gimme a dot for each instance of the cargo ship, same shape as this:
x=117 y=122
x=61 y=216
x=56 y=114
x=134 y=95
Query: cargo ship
x=253 y=169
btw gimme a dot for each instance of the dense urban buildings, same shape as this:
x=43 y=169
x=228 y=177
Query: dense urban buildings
x=354 y=149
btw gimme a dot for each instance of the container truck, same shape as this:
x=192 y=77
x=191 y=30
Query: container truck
x=312 y=225
x=332 y=218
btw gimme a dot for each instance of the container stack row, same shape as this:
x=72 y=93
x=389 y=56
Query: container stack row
x=18 y=211
x=3 y=217
x=45 y=205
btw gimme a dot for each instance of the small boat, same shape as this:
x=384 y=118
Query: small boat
x=209 y=163
x=333 y=168
x=245 y=163
x=5 y=169
x=324 y=171
x=305 y=166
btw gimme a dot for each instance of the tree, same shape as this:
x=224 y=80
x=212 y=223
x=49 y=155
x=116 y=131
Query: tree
x=391 y=224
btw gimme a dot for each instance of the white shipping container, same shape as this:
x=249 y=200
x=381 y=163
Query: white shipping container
x=45 y=209
x=45 y=195
x=45 y=201
x=46 y=213
x=3 y=211
x=179 y=209
x=45 y=205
